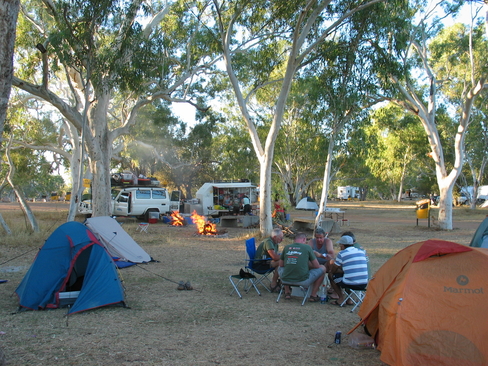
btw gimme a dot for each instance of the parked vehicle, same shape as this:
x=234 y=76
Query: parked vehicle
x=137 y=200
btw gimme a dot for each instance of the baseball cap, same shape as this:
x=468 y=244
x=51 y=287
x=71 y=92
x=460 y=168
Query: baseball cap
x=345 y=240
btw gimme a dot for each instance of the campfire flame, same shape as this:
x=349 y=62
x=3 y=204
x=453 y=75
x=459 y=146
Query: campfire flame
x=204 y=227
x=177 y=219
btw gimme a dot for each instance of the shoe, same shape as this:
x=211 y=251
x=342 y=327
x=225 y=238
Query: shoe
x=274 y=288
x=335 y=303
x=288 y=296
x=181 y=286
x=188 y=286
x=314 y=299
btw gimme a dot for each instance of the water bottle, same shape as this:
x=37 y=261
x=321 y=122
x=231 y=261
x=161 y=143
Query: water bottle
x=323 y=294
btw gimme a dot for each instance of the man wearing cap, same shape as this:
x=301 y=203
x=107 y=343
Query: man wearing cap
x=349 y=269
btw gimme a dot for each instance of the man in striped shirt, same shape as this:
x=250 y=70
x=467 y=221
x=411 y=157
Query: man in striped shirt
x=349 y=269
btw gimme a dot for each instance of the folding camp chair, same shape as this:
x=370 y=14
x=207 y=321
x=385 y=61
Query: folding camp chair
x=142 y=227
x=306 y=291
x=261 y=274
x=245 y=277
x=355 y=294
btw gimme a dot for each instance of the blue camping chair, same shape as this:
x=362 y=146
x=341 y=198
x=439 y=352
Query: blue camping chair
x=261 y=275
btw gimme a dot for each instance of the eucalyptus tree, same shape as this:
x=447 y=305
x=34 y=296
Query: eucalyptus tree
x=300 y=146
x=476 y=152
x=421 y=74
x=100 y=62
x=397 y=145
x=267 y=43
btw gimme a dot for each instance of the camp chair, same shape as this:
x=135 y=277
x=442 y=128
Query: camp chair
x=248 y=279
x=354 y=294
x=306 y=291
x=142 y=227
x=261 y=275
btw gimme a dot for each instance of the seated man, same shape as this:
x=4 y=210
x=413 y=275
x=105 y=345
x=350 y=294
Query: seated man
x=298 y=265
x=322 y=247
x=359 y=246
x=269 y=249
x=349 y=269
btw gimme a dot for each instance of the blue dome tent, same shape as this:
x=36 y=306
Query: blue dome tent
x=72 y=267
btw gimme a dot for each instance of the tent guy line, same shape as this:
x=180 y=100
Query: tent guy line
x=164 y=278
x=20 y=255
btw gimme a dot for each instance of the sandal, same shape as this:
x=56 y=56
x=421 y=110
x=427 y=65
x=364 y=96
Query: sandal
x=188 y=286
x=181 y=286
x=274 y=288
x=335 y=303
x=314 y=299
x=288 y=296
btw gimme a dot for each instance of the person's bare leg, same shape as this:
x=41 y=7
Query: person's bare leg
x=318 y=282
x=274 y=280
x=336 y=289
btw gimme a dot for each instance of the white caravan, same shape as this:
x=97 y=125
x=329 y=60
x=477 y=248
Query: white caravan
x=212 y=195
x=346 y=192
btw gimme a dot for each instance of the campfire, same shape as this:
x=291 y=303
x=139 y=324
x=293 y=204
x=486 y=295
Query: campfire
x=177 y=219
x=204 y=227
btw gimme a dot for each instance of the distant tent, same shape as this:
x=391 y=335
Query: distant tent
x=72 y=267
x=307 y=203
x=427 y=306
x=480 y=237
x=118 y=243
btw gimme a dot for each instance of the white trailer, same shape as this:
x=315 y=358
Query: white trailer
x=347 y=192
x=483 y=193
x=212 y=195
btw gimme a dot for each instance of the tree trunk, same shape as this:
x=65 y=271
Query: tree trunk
x=9 y=10
x=402 y=178
x=5 y=226
x=18 y=194
x=99 y=146
x=326 y=180
x=445 y=204
x=265 y=220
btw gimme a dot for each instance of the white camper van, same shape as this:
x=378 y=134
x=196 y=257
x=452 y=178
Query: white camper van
x=139 y=201
x=212 y=196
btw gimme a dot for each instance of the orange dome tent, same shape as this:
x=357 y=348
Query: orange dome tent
x=427 y=305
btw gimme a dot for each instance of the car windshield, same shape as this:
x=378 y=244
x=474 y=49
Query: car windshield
x=114 y=193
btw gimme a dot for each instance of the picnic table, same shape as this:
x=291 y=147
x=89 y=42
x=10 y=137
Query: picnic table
x=234 y=221
x=338 y=212
x=303 y=223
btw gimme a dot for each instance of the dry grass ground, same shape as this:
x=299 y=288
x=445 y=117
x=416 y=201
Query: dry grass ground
x=206 y=326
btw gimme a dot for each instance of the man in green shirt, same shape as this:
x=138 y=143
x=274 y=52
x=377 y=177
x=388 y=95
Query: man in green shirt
x=298 y=265
x=269 y=249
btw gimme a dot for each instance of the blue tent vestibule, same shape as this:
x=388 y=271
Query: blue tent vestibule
x=71 y=262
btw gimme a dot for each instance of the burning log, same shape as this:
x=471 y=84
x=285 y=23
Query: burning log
x=204 y=226
x=177 y=219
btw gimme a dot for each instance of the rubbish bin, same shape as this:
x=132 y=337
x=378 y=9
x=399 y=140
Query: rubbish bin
x=423 y=210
